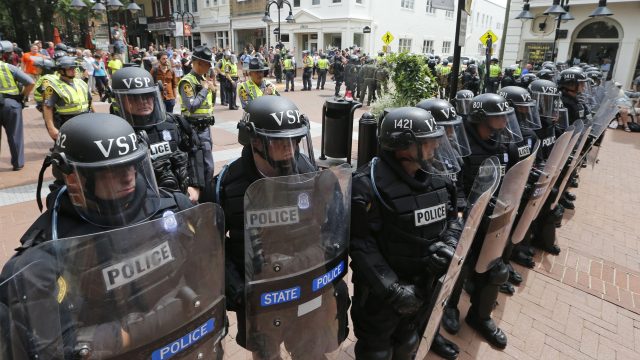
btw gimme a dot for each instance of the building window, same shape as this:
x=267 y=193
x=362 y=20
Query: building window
x=407 y=4
x=430 y=9
x=427 y=47
x=194 y=5
x=296 y=3
x=284 y=37
x=359 y=2
x=186 y=5
x=337 y=1
x=480 y=49
x=446 y=47
x=315 y=2
x=404 y=45
x=448 y=14
x=157 y=8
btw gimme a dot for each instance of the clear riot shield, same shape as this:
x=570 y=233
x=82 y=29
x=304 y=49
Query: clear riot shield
x=149 y=291
x=296 y=243
x=601 y=120
x=573 y=163
x=483 y=188
x=504 y=210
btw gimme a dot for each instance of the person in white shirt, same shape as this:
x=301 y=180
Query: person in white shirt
x=88 y=62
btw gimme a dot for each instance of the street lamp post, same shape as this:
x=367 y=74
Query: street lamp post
x=279 y=4
x=190 y=20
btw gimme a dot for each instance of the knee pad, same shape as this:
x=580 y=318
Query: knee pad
x=499 y=273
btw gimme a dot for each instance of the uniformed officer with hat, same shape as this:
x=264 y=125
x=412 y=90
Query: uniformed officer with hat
x=196 y=92
x=11 y=100
x=256 y=85
x=65 y=97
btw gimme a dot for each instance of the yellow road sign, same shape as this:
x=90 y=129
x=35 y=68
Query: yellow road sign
x=387 y=38
x=488 y=35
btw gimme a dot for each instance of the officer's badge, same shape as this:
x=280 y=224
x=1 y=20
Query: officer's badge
x=166 y=135
x=188 y=90
x=48 y=92
x=303 y=201
x=243 y=94
x=62 y=289
x=169 y=221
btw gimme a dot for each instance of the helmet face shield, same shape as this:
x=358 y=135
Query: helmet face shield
x=547 y=103
x=437 y=156
x=528 y=115
x=463 y=106
x=458 y=137
x=141 y=108
x=505 y=127
x=114 y=194
x=285 y=152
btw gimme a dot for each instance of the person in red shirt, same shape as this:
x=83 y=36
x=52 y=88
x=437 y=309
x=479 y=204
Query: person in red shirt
x=27 y=61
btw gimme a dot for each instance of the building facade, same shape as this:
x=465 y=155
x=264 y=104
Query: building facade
x=612 y=42
x=485 y=15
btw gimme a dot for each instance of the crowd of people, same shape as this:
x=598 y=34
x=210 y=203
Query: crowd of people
x=126 y=260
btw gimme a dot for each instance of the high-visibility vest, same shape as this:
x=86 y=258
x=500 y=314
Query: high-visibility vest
x=517 y=71
x=206 y=107
x=494 y=71
x=75 y=98
x=37 y=92
x=8 y=84
x=252 y=89
x=230 y=68
x=288 y=64
x=323 y=64
x=308 y=62
x=445 y=70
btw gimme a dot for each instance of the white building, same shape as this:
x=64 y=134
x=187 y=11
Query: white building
x=485 y=15
x=215 y=25
x=614 y=39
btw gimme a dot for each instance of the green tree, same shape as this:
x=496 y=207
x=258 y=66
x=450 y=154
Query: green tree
x=411 y=82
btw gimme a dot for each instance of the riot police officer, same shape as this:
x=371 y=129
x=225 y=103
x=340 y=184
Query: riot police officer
x=571 y=83
x=399 y=243
x=471 y=80
x=492 y=128
x=277 y=143
x=338 y=74
x=351 y=76
x=382 y=78
x=176 y=152
x=11 y=104
x=65 y=97
x=73 y=311
x=526 y=79
x=509 y=77
x=196 y=92
x=368 y=72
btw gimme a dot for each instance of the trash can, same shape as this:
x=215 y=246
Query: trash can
x=337 y=128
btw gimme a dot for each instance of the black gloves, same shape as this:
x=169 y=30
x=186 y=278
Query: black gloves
x=404 y=299
x=441 y=254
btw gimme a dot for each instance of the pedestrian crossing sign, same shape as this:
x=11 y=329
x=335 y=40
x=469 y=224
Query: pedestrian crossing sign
x=488 y=35
x=387 y=38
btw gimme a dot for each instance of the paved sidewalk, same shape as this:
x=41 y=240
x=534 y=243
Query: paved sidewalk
x=583 y=304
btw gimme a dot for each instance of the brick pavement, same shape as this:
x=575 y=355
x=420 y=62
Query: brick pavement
x=583 y=304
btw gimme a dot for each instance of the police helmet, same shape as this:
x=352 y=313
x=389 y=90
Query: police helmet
x=546 y=74
x=445 y=115
x=323 y=56
x=591 y=68
x=445 y=62
x=137 y=97
x=66 y=62
x=107 y=170
x=60 y=47
x=495 y=112
x=508 y=71
x=571 y=76
x=595 y=75
x=463 y=101
x=203 y=53
x=547 y=95
x=526 y=79
x=404 y=127
x=380 y=53
x=353 y=59
x=471 y=61
x=494 y=59
x=58 y=54
x=6 y=46
x=279 y=136
x=47 y=65
x=525 y=108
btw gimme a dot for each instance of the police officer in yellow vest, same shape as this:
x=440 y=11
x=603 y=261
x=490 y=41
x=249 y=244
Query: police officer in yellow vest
x=196 y=92
x=323 y=67
x=230 y=73
x=64 y=97
x=289 y=71
x=256 y=86
x=307 y=70
x=46 y=69
x=495 y=75
x=11 y=104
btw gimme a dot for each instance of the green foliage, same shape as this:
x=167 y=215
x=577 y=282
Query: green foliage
x=411 y=81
